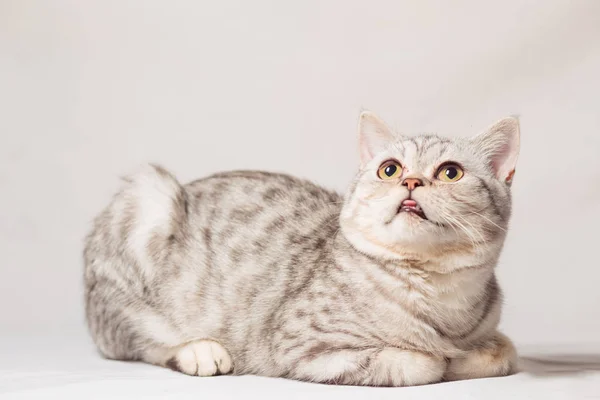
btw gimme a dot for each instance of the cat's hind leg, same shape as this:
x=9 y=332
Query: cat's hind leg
x=149 y=337
x=130 y=278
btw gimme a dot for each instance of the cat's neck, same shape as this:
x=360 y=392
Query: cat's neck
x=451 y=260
x=442 y=291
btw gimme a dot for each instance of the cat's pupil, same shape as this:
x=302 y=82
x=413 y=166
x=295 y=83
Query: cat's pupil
x=390 y=170
x=451 y=172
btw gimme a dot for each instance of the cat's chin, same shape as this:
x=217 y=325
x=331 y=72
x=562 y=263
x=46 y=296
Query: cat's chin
x=407 y=236
x=412 y=213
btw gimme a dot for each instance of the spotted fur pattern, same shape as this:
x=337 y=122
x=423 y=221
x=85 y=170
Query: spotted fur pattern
x=250 y=272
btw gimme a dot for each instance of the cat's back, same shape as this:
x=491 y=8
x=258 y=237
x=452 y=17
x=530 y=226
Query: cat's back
x=153 y=213
x=262 y=200
x=247 y=220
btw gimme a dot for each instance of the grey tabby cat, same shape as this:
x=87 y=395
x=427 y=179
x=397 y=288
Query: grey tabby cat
x=259 y=273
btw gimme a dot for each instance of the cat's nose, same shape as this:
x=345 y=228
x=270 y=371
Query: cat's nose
x=412 y=183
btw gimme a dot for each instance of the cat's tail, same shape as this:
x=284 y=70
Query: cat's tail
x=154 y=211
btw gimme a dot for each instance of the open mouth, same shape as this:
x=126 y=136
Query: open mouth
x=411 y=206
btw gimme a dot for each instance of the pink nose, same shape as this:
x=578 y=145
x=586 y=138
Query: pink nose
x=412 y=183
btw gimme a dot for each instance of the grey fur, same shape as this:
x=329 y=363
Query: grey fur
x=269 y=267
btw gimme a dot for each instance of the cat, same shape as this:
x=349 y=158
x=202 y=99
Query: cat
x=249 y=272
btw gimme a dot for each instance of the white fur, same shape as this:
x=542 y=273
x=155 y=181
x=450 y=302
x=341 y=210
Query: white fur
x=408 y=368
x=156 y=327
x=152 y=198
x=204 y=358
x=330 y=366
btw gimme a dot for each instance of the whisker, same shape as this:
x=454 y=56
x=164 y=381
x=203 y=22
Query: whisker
x=490 y=221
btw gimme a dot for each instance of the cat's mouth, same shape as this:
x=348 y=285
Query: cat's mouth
x=411 y=206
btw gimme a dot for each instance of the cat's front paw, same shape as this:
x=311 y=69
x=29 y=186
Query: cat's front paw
x=202 y=358
x=496 y=357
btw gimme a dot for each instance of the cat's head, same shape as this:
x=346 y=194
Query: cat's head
x=427 y=195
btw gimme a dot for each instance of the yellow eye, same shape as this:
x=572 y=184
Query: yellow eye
x=450 y=173
x=389 y=170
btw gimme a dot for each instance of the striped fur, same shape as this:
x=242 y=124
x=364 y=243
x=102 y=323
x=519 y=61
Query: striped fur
x=250 y=272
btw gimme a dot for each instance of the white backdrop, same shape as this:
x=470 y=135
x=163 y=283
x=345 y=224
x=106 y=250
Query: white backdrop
x=91 y=89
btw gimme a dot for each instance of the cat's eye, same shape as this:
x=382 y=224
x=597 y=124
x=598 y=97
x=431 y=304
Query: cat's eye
x=450 y=173
x=390 y=169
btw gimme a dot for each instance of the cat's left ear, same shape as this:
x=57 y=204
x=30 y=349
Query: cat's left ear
x=373 y=136
x=500 y=145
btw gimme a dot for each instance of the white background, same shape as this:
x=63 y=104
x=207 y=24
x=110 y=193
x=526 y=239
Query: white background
x=91 y=89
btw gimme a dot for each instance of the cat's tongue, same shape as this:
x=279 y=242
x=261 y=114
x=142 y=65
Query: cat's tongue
x=412 y=206
x=409 y=203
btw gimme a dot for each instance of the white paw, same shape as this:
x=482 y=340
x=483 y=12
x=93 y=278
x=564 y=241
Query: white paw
x=202 y=358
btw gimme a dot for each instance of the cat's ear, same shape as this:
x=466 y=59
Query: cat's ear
x=500 y=145
x=373 y=136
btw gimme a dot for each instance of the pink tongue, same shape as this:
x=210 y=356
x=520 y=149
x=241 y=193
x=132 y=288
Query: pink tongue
x=409 y=203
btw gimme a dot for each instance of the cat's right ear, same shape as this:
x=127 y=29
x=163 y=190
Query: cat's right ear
x=373 y=136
